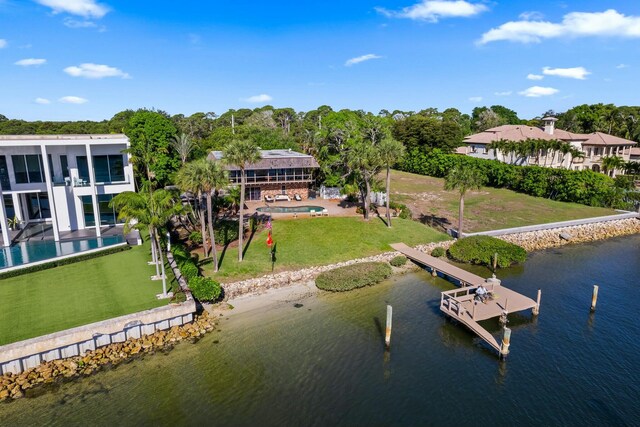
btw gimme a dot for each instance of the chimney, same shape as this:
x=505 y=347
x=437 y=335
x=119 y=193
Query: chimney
x=549 y=124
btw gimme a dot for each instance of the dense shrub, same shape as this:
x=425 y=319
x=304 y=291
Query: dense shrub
x=226 y=231
x=398 y=261
x=481 y=249
x=353 y=276
x=189 y=270
x=584 y=187
x=195 y=237
x=438 y=252
x=404 y=211
x=205 y=288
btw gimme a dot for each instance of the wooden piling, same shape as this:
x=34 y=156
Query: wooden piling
x=434 y=272
x=387 y=335
x=506 y=338
x=536 y=310
x=594 y=298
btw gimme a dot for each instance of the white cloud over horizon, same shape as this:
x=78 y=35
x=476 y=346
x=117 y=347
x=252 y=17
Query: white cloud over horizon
x=95 y=71
x=505 y=93
x=84 y=8
x=74 y=23
x=534 y=76
x=475 y=99
x=538 y=91
x=258 y=99
x=73 y=100
x=609 y=23
x=3 y=43
x=29 y=62
x=42 y=101
x=579 y=73
x=434 y=10
x=362 y=58
x=621 y=66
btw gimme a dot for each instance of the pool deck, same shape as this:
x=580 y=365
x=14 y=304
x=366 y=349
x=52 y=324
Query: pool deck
x=44 y=231
x=334 y=207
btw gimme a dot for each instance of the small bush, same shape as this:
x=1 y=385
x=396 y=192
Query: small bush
x=402 y=211
x=437 y=252
x=226 y=231
x=179 y=252
x=481 y=249
x=205 y=288
x=189 y=270
x=398 y=261
x=353 y=276
x=196 y=237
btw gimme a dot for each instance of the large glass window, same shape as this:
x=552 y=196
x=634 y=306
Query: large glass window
x=108 y=215
x=27 y=168
x=109 y=168
x=64 y=164
x=83 y=168
x=87 y=209
x=50 y=159
x=8 y=206
x=38 y=206
x=4 y=174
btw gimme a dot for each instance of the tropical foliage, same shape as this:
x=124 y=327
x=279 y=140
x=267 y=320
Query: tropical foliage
x=483 y=250
x=353 y=276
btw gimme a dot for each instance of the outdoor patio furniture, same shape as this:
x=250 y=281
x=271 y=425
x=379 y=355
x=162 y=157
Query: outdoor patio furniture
x=312 y=212
x=268 y=199
x=282 y=198
x=325 y=212
x=297 y=197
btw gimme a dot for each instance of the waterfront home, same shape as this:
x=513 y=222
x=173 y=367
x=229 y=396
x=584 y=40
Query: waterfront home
x=64 y=180
x=279 y=174
x=593 y=146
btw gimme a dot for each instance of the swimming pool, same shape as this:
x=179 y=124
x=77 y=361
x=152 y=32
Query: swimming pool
x=32 y=251
x=289 y=209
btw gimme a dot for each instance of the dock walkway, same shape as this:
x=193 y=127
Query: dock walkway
x=460 y=304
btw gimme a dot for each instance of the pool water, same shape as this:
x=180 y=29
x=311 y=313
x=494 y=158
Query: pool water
x=289 y=209
x=32 y=251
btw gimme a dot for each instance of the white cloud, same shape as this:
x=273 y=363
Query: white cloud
x=30 y=62
x=534 y=77
x=579 y=73
x=72 y=100
x=84 y=8
x=3 y=43
x=194 y=38
x=621 y=66
x=434 y=10
x=74 y=23
x=95 y=71
x=258 y=99
x=42 y=101
x=359 y=59
x=538 y=91
x=505 y=93
x=609 y=23
x=475 y=99
x=531 y=16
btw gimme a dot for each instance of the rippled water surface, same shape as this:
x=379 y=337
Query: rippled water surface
x=324 y=363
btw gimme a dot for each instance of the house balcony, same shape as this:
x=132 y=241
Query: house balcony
x=277 y=179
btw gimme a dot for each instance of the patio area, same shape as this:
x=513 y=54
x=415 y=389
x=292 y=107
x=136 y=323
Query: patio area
x=333 y=207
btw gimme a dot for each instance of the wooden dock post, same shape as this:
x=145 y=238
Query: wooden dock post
x=536 y=310
x=387 y=335
x=506 y=338
x=434 y=272
x=594 y=298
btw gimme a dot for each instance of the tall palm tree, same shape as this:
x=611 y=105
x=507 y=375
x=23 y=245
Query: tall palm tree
x=183 y=146
x=214 y=178
x=241 y=153
x=363 y=161
x=190 y=178
x=391 y=151
x=151 y=210
x=611 y=163
x=575 y=154
x=463 y=178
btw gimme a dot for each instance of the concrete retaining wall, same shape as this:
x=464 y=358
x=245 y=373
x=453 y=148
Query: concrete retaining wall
x=22 y=355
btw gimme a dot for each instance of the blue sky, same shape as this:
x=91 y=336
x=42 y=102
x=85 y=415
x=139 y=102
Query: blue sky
x=88 y=59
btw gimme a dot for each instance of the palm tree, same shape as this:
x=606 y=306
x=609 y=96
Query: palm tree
x=463 y=178
x=363 y=160
x=190 y=178
x=391 y=151
x=241 y=153
x=183 y=146
x=611 y=163
x=151 y=210
x=575 y=154
x=214 y=178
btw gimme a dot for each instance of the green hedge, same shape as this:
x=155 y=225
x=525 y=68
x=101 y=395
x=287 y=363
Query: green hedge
x=398 y=261
x=61 y=262
x=405 y=212
x=205 y=288
x=226 y=231
x=481 y=250
x=584 y=187
x=353 y=276
x=438 y=252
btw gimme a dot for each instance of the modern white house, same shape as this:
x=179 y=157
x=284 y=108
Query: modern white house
x=594 y=146
x=65 y=180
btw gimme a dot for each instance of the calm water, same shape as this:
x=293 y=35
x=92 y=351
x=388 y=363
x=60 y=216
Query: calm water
x=31 y=251
x=324 y=363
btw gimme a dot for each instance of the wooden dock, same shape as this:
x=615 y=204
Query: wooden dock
x=460 y=304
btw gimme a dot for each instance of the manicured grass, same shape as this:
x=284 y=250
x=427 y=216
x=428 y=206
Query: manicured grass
x=486 y=209
x=305 y=242
x=73 y=295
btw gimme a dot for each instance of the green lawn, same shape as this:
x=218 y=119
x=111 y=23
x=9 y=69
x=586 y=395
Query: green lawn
x=485 y=209
x=305 y=242
x=76 y=294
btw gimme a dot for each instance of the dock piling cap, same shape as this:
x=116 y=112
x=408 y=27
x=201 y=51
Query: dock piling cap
x=493 y=280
